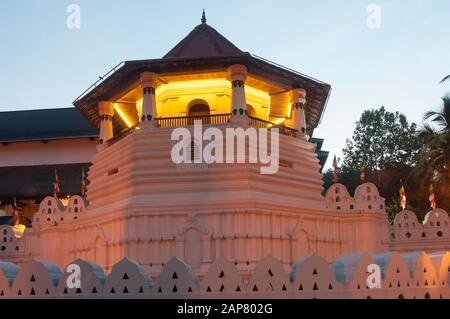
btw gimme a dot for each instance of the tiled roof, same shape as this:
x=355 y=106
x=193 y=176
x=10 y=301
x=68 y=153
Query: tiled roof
x=203 y=41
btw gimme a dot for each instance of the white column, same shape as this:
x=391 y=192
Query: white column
x=298 y=100
x=238 y=74
x=106 y=111
x=148 y=84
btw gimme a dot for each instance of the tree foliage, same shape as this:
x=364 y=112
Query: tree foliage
x=392 y=149
x=433 y=165
x=388 y=147
x=380 y=141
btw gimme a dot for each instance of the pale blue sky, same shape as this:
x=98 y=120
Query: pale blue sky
x=46 y=65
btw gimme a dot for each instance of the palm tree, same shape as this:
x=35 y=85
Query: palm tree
x=445 y=78
x=440 y=119
x=433 y=165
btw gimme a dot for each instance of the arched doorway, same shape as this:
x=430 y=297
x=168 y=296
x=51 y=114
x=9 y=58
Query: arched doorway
x=198 y=110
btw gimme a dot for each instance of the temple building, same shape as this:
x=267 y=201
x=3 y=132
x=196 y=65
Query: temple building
x=141 y=205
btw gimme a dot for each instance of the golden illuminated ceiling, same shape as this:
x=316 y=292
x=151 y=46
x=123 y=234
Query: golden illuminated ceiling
x=136 y=93
x=274 y=99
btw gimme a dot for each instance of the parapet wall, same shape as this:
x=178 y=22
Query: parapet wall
x=415 y=275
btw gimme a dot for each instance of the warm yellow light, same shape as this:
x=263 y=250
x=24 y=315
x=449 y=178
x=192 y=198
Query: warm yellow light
x=122 y=115
x=18 y=230
x=191 y=85
x=65 y=201
x=196 y=85
x=279 y=121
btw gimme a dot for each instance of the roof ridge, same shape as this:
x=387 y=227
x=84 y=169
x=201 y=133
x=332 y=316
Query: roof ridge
x=197 y=37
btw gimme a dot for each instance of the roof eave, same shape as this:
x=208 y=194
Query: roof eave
x=110 y=87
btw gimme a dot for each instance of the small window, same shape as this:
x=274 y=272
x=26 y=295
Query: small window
x=49 y=203
x=352 y=207
x=113 y=171
x=408 y=235
x=338 y=199
x=337 y=190
x=439 y=233
x=368 y=190
x=424 y=235
x=75 y=201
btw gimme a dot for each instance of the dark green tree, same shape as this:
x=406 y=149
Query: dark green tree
x=381 y=140
x=388 y=147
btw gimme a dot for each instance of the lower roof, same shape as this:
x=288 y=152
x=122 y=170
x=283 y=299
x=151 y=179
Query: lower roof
x=47 y=124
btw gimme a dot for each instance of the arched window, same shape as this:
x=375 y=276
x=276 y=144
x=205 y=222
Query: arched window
x=198 y=110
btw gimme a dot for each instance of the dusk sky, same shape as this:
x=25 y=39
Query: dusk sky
x=44 y=64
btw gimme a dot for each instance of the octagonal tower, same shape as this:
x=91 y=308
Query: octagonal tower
x=145 y=206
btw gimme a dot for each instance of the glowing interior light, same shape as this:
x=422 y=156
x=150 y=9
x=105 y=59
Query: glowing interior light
x=18 y=230
x=122 y=115
x=279 y=121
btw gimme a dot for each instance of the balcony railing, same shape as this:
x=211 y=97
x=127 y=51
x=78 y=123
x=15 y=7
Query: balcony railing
x=259 y=123
x=212 y=119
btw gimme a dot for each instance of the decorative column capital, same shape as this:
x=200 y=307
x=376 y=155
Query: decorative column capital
x=106 y=108
x=237 y=72
x=298 y=96
x=148 y=79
